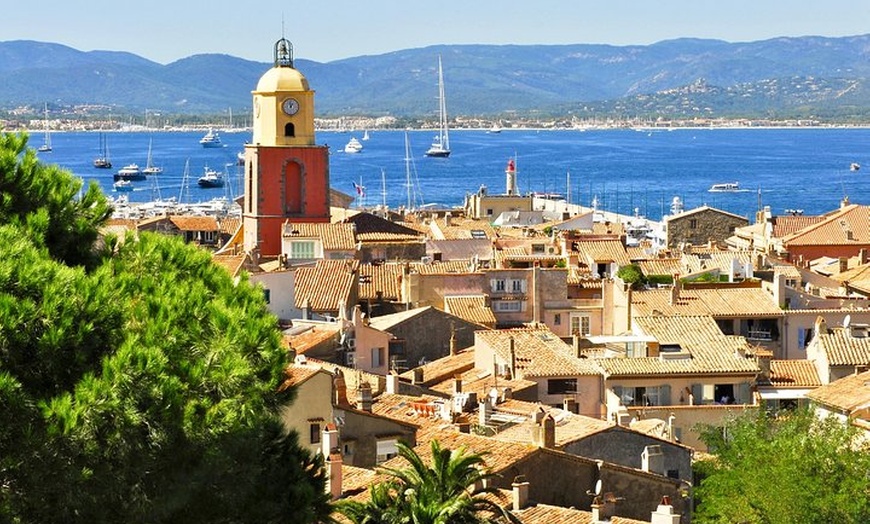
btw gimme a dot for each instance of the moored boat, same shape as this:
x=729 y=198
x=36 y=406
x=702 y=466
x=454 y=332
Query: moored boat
x=123 y=185
x=211 y=178
x=102 y=161
x=150 y=168
x=353 y=146
x=46 y=144
x=854 y=166
x=441 y=145
x=211 y=139
x=130 y=172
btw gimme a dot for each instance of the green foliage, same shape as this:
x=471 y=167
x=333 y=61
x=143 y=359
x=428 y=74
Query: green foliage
x=632 y=274
x=655 y=280
x=791 y=469
x=137 y=382
x=443 y=492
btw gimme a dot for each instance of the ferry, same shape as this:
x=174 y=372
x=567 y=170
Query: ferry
x=724 y=188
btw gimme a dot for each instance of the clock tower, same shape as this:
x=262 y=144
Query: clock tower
x=286 y=173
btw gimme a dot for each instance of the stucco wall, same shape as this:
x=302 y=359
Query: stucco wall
x=626 y=448
x=361 y=432
x=313 y=401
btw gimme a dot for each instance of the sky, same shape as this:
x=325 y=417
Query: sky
x=327 y=30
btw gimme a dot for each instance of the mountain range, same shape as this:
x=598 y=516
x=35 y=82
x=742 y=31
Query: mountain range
x=810 y=76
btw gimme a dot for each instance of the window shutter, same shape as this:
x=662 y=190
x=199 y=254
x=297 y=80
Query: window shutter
x=698 y=393
x=743 y=393
x=492 y=284
x=665 y=395
x=523 y=285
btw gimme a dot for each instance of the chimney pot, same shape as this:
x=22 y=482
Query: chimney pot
x=520 y=493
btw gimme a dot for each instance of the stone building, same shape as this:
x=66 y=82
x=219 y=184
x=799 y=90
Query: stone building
x=701 y=225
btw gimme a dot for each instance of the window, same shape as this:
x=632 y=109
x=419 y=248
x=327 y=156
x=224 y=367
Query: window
x=387 y=449
x=557 y=319
x=489 y=212
x=289 y=129
x=498 y=285
x=377 y=357
x=478 y=233
x=267 y=294
x=537 y=248
x=507 y=306
x=643 y=396
x=302 y=249
x=580 y=324
x=517 y=286
x=673 y=474
x=561 y=386
x=693 y=223
x=314 y=432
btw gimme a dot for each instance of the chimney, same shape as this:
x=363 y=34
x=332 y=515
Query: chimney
x=545 y=433
x=844 y=262
x=364 y=392
x=513 y=356
x=447 y=219
x=520 y=493
x=602 y=509
x=538 y=415
x=484 y=412
x=333 y=475
x=862 y=256
x=575 y=342
x=652 y=460
x=675 y=290
x=339 y=389
x=417 y=376
x=457 y=384
x=820 y=327
x=329 y=440
x=664 y=514
x=392 y=383
x=570 y=405
x=452 y=339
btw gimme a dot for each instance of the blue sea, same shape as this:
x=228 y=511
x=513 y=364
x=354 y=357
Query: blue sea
x=625 y=170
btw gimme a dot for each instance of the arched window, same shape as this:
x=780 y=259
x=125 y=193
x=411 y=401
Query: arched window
x=289 y=129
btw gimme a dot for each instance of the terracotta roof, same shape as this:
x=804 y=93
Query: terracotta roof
x=194 y=223
x=434 y=268
x=660 y=266
x=843 y=349
x=698 y=261
x=546 y=514
x=462 y=228
x=794 y=373
x=498 y=455
x=481 y=382
x=316 y=335
x=569 y=427
x=603 y=251
x=326 y=284
x=335 y=237
x=849 y=225
x=383 y=278
x=539 y=352
x=232 y=263
x=461 y=249
x=729 y=302
x=854 y=275
x=789 y=224
x=230 y=225
x=420 y=411
x=295 y=375
x=444 y=368
x=355 y=479
x=472 y=308
x=847 y=394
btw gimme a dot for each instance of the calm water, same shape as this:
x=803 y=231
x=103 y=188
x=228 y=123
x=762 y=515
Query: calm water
x=624 y=169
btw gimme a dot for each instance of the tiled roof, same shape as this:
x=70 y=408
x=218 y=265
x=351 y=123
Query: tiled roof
x=355 y=479
x=660 y=266
x=498 y=455
x=854 y=275
x=698 y=261
x=383 y=278
x=230 y=225
x=472 y=308
x=434 y=268
x=843 y=349
x=569 y=427
x=444 y=368
x=232 y=263
x=786 y=225
x=732 y=302
x=295 y=374
x=481 y=382
x=374 y=228
x=539 y=352
x=461 y=249
x=603 y=251
x=849 y=225
x=313 y=337
x=326 y=284
x=335 y=237
x=194 y=223
x=462 y=228
x=794 y=373
x=387 y=322
x=847 y=394
x=421 y=411
x=546 y=514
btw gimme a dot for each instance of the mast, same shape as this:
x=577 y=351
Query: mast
x=408 y=169
x=444 y=133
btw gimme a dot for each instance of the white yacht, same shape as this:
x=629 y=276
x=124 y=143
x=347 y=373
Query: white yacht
x=211 y=139
x=353 y=146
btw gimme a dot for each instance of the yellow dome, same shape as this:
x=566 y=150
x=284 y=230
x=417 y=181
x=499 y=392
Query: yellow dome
x=282 y=79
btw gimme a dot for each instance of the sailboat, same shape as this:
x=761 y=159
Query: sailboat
x=102 y=161
x=46 y=145
x=441 y=145
x=150 y=168
x=411 y=179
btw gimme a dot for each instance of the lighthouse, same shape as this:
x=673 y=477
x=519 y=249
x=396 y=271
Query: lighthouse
x=286 y=172
x=510 y=173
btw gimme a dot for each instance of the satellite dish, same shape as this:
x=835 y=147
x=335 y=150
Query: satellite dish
x=847 y=321
x=598 y=487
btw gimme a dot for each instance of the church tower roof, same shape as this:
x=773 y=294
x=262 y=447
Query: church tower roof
x=282 y=76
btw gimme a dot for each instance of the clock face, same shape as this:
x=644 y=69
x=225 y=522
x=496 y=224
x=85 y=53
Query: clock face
x=290 y=106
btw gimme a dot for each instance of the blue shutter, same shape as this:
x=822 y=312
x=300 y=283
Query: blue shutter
x=698 y=393
x=665 y=395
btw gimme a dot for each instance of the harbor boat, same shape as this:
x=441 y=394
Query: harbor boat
x=211 y=139
x=130 y=172
x=353 y=146
x=123 y=185
x=441 y=145
x=854 y=166
x=150 y=168
x=495 y=129
x=725 y=188
x=102 y=161
x=46 y=144
x=211 y=178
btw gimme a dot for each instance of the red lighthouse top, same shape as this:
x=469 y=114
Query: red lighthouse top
x=510 y=166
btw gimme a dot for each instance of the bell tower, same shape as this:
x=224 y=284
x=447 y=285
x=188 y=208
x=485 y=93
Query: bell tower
x=286 y=173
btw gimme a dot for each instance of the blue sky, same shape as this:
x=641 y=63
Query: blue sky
x=325 y=30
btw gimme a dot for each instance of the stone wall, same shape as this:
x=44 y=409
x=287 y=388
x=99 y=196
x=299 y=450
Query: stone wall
x=709 y=224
